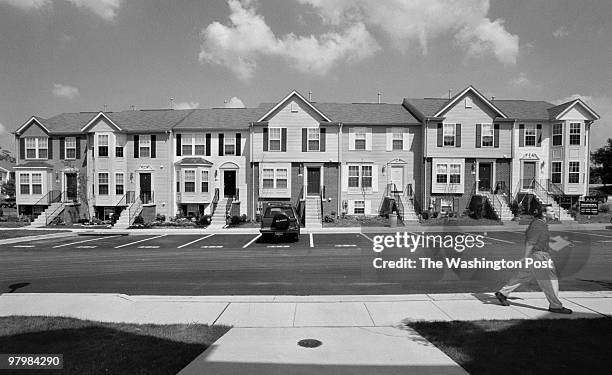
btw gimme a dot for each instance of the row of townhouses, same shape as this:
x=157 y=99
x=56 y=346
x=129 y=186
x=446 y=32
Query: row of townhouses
x=325 y=158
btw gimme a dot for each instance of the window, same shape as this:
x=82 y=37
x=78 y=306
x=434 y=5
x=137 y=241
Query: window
x=442 y=173
x=36 y=147
x=366 y=176
x=193 y=144
x=281 y=178
x=314 y=135
x=229 y=146
x=398 y=139
x=119 y=183
x=557 y=138
x=449 y=134
x=556 y=172
x=103 y=145
x=144 y=144
x=189 y=181
x=359 y=207
x=360 y=139
x=360 y=176
x=275 y=139
x=268 y=178
x=103 y=183
x=353 y=176
x=530 y=135
x=574 y=172
x=204 y=181
x=24 y=183
x=200 y=144
x=574 y=134
x=487 y=135
x=187 y=144
x=70 y=147
x=119 y=151
x=455 y=173
x=36 y=183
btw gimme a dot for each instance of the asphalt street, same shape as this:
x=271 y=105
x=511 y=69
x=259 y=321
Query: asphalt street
x=245 y=264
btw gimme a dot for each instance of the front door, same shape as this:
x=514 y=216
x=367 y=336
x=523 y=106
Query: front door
x=71 y=186
x=229 y=183
x=146 y=194
x=397 y=179
x=484 y=176
x=313 y=178
x=529 y=170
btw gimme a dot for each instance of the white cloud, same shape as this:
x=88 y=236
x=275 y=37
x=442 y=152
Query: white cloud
x=602 y=128
x=560 y=32
x=27 y=4
x=187 y=105
x=248 y=38
x=521 y=81
x=2 y=129
x=65 y=91
x=107 y=9
x=234 y=102
x=409 y=21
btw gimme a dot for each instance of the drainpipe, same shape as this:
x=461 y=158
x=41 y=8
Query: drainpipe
x=171 y=170
x=339 y=187
x=253 y=209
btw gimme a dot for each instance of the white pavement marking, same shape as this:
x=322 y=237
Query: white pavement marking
x=86 y=247
x=89 y=240
x=363 y=234
x=603 y=241
x=148 y=247
x=23 y=246
x=311 y=240
x=346 y=245
x=139 y=241
x=194 y=241
x=589 y=234
x=278 y=246
x=251 y=241
x=491 y=238
x=211 y=246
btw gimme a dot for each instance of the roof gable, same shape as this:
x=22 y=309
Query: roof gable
x=293 y=95
x=470 y=89
x=33 y=120
x=95 y=120
x=559 y=111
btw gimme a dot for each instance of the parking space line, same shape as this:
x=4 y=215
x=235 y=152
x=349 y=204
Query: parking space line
x=23 y=246
x=275 y=246
x=369 y=239
x=139 y=241
x=149 y=247
x=194 y=241
x=211 y=246
x=89 y=240
x=311 y=240
x=602 y=241
x=589 y=234
x=251 y=241
x=345 y=245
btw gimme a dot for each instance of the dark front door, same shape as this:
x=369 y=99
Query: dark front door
x=71 y=186
x=528 y=174
x=313 y=177
x=229 y=183
x=484 y=176
x=146 y=194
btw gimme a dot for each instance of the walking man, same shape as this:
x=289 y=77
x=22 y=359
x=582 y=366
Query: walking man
x=537 y=240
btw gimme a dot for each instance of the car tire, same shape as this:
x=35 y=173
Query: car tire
x=280 y=222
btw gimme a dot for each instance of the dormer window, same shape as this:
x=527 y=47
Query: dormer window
x=36 y=148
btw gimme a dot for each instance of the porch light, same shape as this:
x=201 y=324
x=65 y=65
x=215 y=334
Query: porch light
x=384 y=169
x=57 y=179
x=131 y=176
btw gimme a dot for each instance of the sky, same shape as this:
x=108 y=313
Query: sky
x=84 y=55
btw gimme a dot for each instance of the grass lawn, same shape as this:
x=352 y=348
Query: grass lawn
x=13 y=224
x=563 y=346
x=107 y=348
x=459 y=221
x=358 y=221
x=13 y=233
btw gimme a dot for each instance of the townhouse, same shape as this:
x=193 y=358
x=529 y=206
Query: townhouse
x=327 y=159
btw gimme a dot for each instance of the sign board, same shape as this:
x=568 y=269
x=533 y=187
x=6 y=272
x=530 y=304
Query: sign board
x=588 y=208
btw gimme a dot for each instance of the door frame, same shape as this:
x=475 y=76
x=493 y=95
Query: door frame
x=397 y=166
x=492 y=181
x=321 y=177
x=522 y=175
x=65 y=174
x=138 y=183
x=223 y=180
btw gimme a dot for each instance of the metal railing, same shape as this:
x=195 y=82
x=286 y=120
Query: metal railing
x=214 y=202
x=300 y=206
x=147 y=197
x=134 y=210
x=398 y=204
x=321 y=196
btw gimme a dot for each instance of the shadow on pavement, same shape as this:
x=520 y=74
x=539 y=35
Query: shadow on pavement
x=14 y=287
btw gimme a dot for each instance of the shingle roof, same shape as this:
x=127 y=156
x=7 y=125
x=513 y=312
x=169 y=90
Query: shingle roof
x=34 y=164
x=428 y=106
x=221 y=118
x=67 y=122
x=555 y=111
x=524 y=109
x=193 y=161
x=148 y=120
x=366 y=113
x=4 y=163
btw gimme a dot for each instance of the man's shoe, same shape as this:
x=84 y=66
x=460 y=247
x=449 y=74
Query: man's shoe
x=502 y=299
x=560 y=310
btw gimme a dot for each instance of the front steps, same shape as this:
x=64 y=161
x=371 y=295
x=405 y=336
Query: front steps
x=125 y=221
x=48 y=215
x=409 y=213
x=560 y=212
x=504 y=214
x=219 y=216
x=313 y=212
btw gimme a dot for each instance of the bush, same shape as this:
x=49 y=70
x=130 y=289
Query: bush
x=235 y=220
x=204 y=220
x=243 y=218
x=328 y=219
x=604 y=208
x=139 y=220
x=515 y=208
x=425 y=215
x=160 y=217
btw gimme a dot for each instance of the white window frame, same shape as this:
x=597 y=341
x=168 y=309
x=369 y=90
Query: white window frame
x=364 y=180
x=361 y=134
x=205 y=180
x=103 y=182
x=531 y=131
x=313 y=135
x=442 y=171
x=103 y=144
x=119 y=181
x=189 y=176
x=397 y=136
x=38 y=145
x=449 y=134
x=573 y=172
x=558 y=172
x=36 y=179
x=279 y=176
x=557 y=131
x=70 y=147
x=273 y=137
x=488 y=131
x=24 y=182
x=452 y=174
x=447 y=171
x=187 y=147
x=199 y=144
x=229 y=145
x=361 y=209
x=267 y=174
x=144 y=143
x=573 y=134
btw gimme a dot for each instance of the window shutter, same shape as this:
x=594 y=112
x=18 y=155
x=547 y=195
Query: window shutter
x=539 y=135
x=22 y=148
x=440 y=135
x=322 y=140
x=78 y=147
x=238 y=143
x=478 y=135
x=521 y=135
x=207 y=144
x=136 y=145
x=62 y=142
x=457 y=135
x=179 y=144
x=369 y=139
x=389 y=139
x=344 y=177
x=153 y=146
x=406 y=140
x=374 y=178
x=50 y=150
x=496 y=135
x=304 y=139
x=351 y=139
x=265 y=138
x=221 y=144
x=284 y=139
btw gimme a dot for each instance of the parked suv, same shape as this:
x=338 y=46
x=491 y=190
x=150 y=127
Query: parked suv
x=280 y=219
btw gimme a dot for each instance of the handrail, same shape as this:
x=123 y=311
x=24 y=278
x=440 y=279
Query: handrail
x=56 y=199
x=497 y=206
x=299 y=206
x=147 y=197
x=408 y=191
x=321 y=195
x=237 y=195
x=214 y=202
x=134 y=209
x=398 y=204
x=50 y=197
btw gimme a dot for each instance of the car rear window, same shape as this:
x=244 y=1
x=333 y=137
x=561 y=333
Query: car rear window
x=271 y=211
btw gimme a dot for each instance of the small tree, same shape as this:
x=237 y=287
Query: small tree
x=8 y=188
x=602 y=163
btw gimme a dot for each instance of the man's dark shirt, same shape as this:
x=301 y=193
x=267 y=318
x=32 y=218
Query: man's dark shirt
x=537 y=235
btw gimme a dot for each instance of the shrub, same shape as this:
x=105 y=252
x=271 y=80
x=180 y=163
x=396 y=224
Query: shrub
x=515 y=208
x=235 y=220
x=328 y=219
x=425 y=215
x=604 y=208
x=204 y=220
x=160 y=217
x=139 y=220
x=243 y=218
